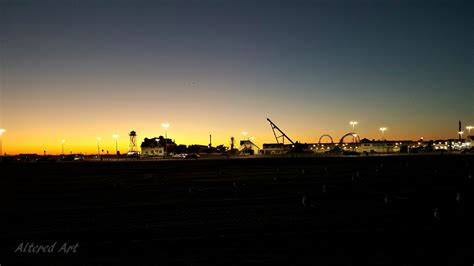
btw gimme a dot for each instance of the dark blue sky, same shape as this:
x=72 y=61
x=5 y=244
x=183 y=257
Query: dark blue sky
x=405 y=64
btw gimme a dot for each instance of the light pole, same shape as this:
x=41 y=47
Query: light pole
x=469 y=129
x=353 y=124
x=116 y=136
x=62 y=146
x=1 y=139
x=383 y=132
x=354 y=136
x=98 y=147
x=460 y=135
x=166 y=126
x=158 y=143
x=244 y=134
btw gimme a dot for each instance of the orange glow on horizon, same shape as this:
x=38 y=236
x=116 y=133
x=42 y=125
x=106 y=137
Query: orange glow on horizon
x=16 y=141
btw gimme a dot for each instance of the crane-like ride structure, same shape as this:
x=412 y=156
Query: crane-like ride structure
x=279 y=134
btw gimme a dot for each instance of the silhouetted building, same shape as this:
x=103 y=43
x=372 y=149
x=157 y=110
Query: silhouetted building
x=195 y=148
x=379 y=146
x=275 y=148
x=157 y=147
x=248 y=147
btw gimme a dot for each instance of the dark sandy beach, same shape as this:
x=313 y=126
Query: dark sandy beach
x=318 y=211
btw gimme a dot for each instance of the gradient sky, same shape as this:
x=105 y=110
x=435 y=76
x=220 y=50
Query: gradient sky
x=76 y=70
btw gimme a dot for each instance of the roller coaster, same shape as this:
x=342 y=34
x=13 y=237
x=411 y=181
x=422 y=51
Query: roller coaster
x=280 y=136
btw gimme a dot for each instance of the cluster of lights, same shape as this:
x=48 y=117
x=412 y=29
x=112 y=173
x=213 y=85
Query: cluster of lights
x=397 y=144
x=320 y=147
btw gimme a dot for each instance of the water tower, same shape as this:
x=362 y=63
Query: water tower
x=132 y=147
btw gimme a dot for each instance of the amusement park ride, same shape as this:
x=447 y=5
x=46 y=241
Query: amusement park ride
x=283 y=136
x=280 y=137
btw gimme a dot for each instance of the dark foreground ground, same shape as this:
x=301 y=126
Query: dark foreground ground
x=242 y=211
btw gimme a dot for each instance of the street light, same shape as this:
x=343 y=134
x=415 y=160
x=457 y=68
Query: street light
x=353 y=124
x=1 y=138
x=116 y=136
x=460 y=134
x=469 y=129
x=244 y=134
x=98 y=147
x=166 y=126
x=62 y=146
x=354 y=136
x=383 y=132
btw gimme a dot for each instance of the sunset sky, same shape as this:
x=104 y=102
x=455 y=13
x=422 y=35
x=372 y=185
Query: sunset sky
x=76 y=70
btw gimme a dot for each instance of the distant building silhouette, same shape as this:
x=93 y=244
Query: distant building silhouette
x=156 y=146
x=248 y=147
